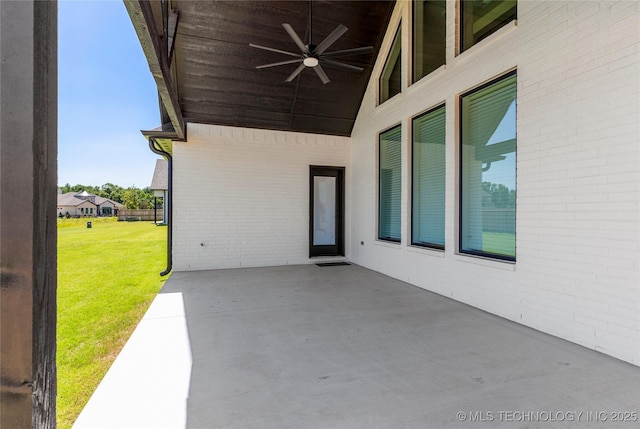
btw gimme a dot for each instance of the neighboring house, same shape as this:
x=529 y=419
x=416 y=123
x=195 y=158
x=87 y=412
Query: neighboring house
x=86 y=204
x=107 y=207
x=69 y=204
x=160 y=185
x=491 y=156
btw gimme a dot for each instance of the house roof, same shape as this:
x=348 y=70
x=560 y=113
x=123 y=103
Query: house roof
x=206 y=72
x=160 y=181
x=70 y=199
x=101 y=200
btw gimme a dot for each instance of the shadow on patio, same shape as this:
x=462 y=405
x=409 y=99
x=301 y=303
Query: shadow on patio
x=345 y=347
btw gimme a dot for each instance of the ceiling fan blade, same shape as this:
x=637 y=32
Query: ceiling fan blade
x=330 y=39
x=321 y=74
x=274 y=50
x=345 y=52
x=281 y=63
x=342 y=65
x=295 y=37
x=295 y=73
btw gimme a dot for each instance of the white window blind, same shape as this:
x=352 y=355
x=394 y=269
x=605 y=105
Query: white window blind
x=428 y=216
x=488 y=197
x=390 y=183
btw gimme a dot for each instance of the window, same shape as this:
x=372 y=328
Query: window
x=390 y=182
x=429 y=36
x=391 y=78
x=428 y=184
x=488 y=170
x=480 y=18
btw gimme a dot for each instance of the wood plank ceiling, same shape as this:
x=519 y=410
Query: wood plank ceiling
x=215 y=73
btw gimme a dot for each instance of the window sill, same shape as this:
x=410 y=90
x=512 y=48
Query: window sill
x=485 y=261
x=426 y=79
x=438 y=253
x=389 y=101
x=487 y=41
x=389 y=244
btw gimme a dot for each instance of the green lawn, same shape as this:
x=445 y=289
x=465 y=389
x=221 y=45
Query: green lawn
x=107 y=277
x=501 y=243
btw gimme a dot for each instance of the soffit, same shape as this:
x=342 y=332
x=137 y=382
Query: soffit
x=214 y=74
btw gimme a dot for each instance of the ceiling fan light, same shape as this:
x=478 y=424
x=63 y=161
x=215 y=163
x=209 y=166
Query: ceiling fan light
x=310 y=62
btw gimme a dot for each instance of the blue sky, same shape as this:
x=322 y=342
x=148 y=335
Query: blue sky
x=504 y=172
x=106 y=95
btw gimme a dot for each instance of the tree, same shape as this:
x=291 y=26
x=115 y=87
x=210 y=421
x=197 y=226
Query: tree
x=131 y=198
x=111 y=191
x=501 y=196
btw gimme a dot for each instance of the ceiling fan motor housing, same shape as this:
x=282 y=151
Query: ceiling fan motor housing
x=310 y=60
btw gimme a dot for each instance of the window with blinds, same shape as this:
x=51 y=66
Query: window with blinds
x=428 y=179
x=481 y=18
x=429 y=36
x=488 y=170
x=390 y=185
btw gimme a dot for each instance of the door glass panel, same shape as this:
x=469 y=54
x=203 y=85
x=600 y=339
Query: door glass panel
x=324 y=211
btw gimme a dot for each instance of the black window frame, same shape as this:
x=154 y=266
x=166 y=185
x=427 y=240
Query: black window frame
x=414 y=77
x=379 y=169
x=460 y=250
x=397 y=38
x=495 y=26
x=414 y=243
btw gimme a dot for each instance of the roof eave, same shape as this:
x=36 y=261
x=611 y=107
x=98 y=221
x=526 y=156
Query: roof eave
x=156 y=52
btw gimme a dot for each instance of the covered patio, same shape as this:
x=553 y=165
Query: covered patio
x=346 y=347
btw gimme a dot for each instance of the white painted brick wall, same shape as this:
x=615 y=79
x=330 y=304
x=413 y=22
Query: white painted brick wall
x=241 y=196
x=577 y=274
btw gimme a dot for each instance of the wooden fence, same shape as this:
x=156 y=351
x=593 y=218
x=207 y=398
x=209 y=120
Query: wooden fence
x=131 y=215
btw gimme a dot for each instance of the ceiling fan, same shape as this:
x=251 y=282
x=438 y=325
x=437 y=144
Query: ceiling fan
x=312 y=56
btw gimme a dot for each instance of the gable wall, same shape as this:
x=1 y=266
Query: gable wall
x=577 y=274
x=75 y=210
x=241 y=196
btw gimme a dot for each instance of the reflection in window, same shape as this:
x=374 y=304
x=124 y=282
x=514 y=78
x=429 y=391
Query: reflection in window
x=324 y=211
x=480 y=18
x=391 y=78
x=429 y=36
x=488 y=171
x=390 y=182
x=428 y=179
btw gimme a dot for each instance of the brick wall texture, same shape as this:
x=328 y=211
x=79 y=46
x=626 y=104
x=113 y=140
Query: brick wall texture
x=241 y=196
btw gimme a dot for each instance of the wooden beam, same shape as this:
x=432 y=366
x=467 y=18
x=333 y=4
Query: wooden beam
x=171 y=32
x=144 y=23
x=28 y=173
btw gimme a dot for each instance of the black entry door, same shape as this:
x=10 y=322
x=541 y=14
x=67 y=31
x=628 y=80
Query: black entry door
x=326 y=211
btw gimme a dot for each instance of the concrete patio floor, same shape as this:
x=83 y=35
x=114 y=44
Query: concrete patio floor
x=345 y=347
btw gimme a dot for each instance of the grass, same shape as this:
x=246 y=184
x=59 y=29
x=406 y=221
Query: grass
x=501 y=243
x=107 y=277
x=66 y=223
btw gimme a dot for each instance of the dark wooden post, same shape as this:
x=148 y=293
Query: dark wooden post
x=28 y=176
